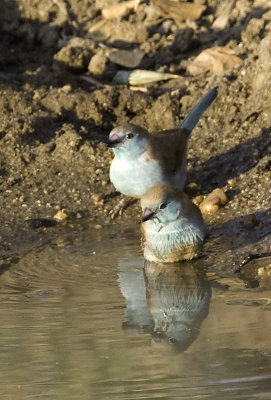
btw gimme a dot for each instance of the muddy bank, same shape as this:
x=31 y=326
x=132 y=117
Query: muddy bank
x=54 y=124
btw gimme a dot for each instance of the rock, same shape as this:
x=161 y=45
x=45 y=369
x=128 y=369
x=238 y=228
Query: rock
x=61 y=215
x=97 y=198
x=75 y=55
x=213 y=201
x=97 y=64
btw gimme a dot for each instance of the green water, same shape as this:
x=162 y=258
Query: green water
x=82 y=319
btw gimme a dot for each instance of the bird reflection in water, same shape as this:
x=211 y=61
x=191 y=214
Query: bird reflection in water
x=169 y=301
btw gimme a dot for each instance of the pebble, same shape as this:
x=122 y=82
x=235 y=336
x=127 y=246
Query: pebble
x=97 y=64
x=97 y=198
x=231 y=182
x=66 y=88
x=264 y=271
x=61 y=215
x=213 y=201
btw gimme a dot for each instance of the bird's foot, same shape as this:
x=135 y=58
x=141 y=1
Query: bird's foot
x=120 y=207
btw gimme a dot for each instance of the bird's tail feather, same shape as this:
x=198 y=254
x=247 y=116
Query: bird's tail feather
x=191 y=120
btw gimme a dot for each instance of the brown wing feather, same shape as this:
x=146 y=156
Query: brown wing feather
x=170 y=148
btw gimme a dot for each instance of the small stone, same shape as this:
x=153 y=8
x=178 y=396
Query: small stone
x=213 y=201
x=97 y=198
x=75 y=55
x=61 y=215
x=264 y=271
x=66 y=88
x=97 y=226
x=209 y=207
x=97 y=64
x=231 y=182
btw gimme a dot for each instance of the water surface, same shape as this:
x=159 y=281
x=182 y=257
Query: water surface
x=81 y=318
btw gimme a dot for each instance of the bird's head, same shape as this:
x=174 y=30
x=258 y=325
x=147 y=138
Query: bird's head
x=129 y=139
x=162 y=204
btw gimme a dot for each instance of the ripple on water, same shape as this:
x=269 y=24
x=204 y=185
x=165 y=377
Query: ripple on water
x=82 y=318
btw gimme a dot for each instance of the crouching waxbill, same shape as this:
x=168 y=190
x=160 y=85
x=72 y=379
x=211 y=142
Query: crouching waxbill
x=172 y=226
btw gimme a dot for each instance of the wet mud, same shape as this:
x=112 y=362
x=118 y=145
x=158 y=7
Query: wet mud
x=54 y=123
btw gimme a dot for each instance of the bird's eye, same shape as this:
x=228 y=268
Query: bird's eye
x=130 y=135
x=162 y=206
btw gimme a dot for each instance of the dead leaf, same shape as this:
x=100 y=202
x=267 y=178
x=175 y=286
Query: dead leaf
x=223 y=17
x=178 y=11
x=126 y=58
x=120 y=9
x=216 y=60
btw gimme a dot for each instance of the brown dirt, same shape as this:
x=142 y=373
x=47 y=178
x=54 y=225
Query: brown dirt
x=54 y=125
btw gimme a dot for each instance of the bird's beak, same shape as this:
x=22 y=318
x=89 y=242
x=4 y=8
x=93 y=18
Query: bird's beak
x=114 y=141
x=147 y=214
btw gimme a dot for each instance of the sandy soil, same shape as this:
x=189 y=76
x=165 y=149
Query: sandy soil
x=54 y=124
